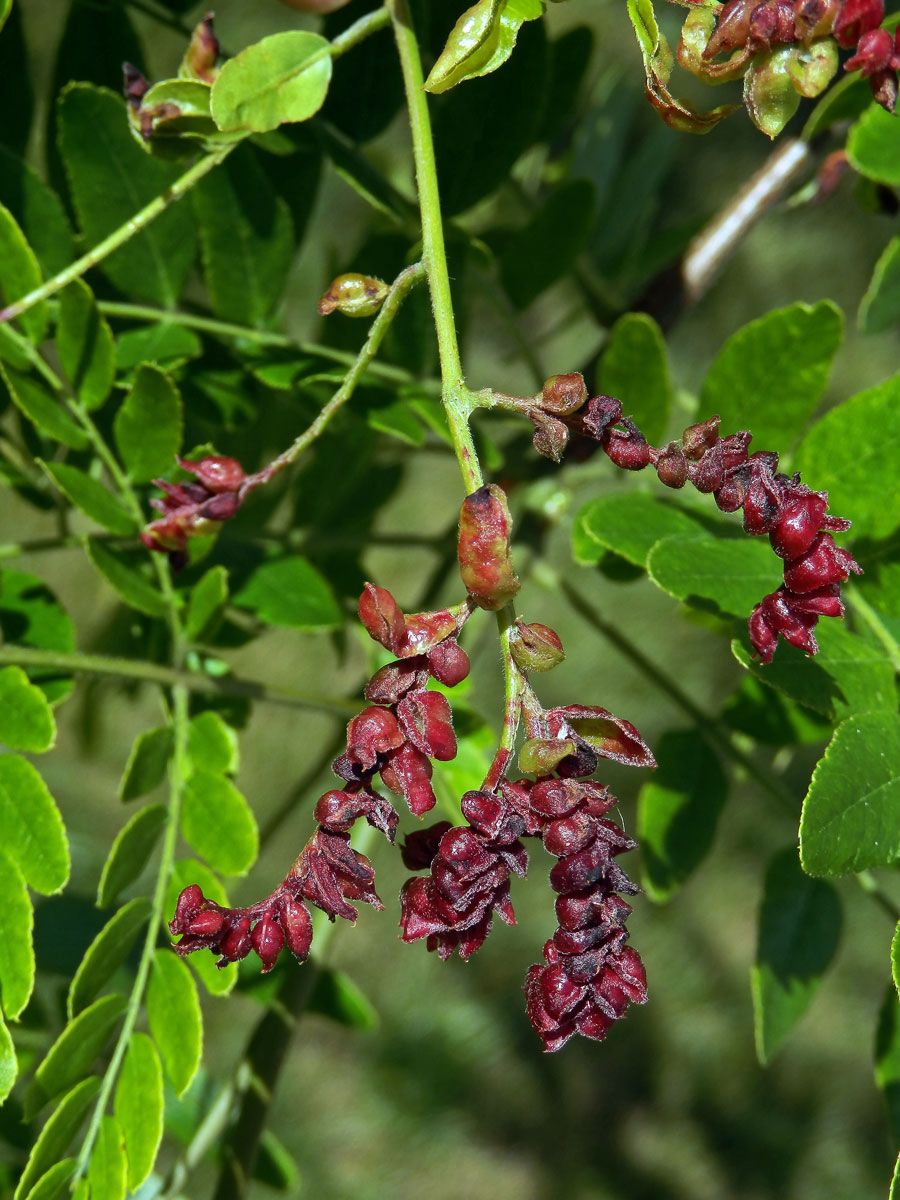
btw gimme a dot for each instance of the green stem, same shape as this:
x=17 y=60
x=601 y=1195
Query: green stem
x=455 y=396
x=165 y=676
x=119 y=236
x=868 y=614
x=514 y=687
x=389 y=309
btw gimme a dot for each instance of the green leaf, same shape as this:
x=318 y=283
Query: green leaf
x=290 y=592
x=206 y=604
x=16 y=945
x=246 y=239
x=30 y=615
x=56 y=1136
x=851 y=814
x=399 y=421
x=217 y=981
x=848 y=675
x=217 y=821
x=545 y=249
x=138 y=1107
x=107 y=1170
x=734 y=574
x=799 y=931
x=31 y=829
x=92 y=497
x=126 y=580
x=275 y=1165
x=283 y=78
x=146 y=766
x=39 y=212
x=770 y=375
x=879 y=308
x=20 y=274
x=73 y=1053
x=165 y=344
x=481 y=41
x=887 y=1057
x=628 y=524
x=111 y=179
x=335 y=995
x=212 y=745
x=148 y=425
x=840 y=455
x=9 y=1068
x=873 y=146
x=42 y=408
x=895 y=958
x=85 y=344
x=173 y=1013
x=678 y=811
x=106 y=953
x=26 y=719
x=128 y=855
x=764 y=714
x=53 y=1184
x=635 y=369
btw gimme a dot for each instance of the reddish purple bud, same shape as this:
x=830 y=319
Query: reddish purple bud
x=297 y=925
x=426 y=629
x=797 y=525
x=559 y=993
x=189 y=902
x=427 y=721
x=856 y=17
x=883 y=85
x=671 y=466
x=483 y=549
x=407 y=772
x=607 y=735
x=628 y=449
x=216 y=473
x=823 y=563
x=420 y=846
x=381 y=615
x=815 y=18
x=207 y=923
x=134 y=85
x=824 y=602
x=236 y=943
x=874 y=53
x=601 y=412
x=374 y=732
x=267 y=939
x=392 y=682
x=535 y=647
x=448 y=662
x=564 y=394
x=568 y=835
x=732 y=27
x=697 y=439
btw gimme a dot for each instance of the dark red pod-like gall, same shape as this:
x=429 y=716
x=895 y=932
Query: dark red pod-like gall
x=485 y=563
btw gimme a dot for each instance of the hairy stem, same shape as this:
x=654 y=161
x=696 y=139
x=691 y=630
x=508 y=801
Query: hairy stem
x=514 y=686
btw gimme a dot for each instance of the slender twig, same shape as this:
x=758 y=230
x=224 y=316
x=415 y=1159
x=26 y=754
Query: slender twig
x=514 y=685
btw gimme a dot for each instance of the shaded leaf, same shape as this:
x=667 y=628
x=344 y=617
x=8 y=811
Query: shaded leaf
x=42 y=408
x=770 y=375
x=851 y=814
x=879 y=308
x=85 y=344
x=895 y=958
x=130 y=852
x=280 y=79
x=20 y=274
x=734 y=574
x=217 y=821
x=887 y=1057
x=92 y=497
x=399 y=421
x=31 y=829
x=275 y=1166
x=873 y=146
x=107 y=1169
x=39 y=212
x=799 y=931
x=106 y=953
x=212 y=745
x=30 y=615
x=138 y=1107
x=635 y=369
x=26 y=719
x=73 y=1053
x=130 y=584
x=206 y=604
x=173 y=1013
x=545 y=250
x=56 y=1136
x=148 y=425
x=16 y=945
x=335 y=995
x=628 y=524
x=291 y=592
x=146 y=766
x=164 y=344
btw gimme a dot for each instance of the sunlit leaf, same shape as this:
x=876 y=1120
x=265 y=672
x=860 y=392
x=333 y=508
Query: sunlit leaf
x=26 y=719
x=290 y=591
x=173 y=1013
x=206 y=604
x=146 y=766
x=282 y=78
x=629 y=524
x=130 y=851
x=16 y=945
x=212 y=744
x=31 y=829
x=20 y=274
x=481 y=41
x=148 y=425
x=72 y=1055
x=107 y=1169
x=43 y=408
x=56 y=1136
x=217 y=821
x=107 y=952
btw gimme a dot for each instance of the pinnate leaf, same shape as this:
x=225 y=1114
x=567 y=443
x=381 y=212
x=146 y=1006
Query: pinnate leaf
x=282 y=78
x=16 y=945
x=173 y=1013
x=635 y=369
x=85 y=344
x=92 y=497
x=31 y=829
x=481 y=41
x=851 y=814
x=122 y=573
x=799 y=930
x=107 y=1169
x=733 y=573
x=146 y=766
x=148 y=425
x=56 y=1136
x=851 y=452
x=628 y=524
x=72 y=1055
x=106 y=953
x=130 y=851
x=43 y=409
x=138 y=1107
x=216 y=820
x=26 y=719
x=291 y=592
x=770 y=375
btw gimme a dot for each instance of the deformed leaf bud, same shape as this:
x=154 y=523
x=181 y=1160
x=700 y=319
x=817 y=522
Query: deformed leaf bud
x=550 y=435
x=697 y=439
x=535 y=647
x=484 y=558
x=354 y=296
x=671 y=466
x=202 y=54
x=564 y=394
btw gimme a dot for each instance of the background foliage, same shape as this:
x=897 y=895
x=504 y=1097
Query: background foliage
x=568 y=208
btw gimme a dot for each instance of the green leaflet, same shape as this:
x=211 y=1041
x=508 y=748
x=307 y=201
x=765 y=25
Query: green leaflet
x=873 y=145
x=164 y=344
x=146 y=766
x=335 y=995
x=283 y=78
x=111 y=179
x=92 y=497
x=85 y=344
x=39 y=212
x=9 y=1068
x=635 y=369
x=72 y=1055
x=56 y=1136
x=879 y=308
x=206 y=604
x=138 y=1107
x=839 y=455
x=20 y=274
x=212 y=745
x=217 y=821
x=16 y=946
x=31 y=829
x=107 y=1169
x=799 y=931
x=126 y=579
x=291 y=592
x=30 y=615
x=628 y=524
x=770 y=375
x=481 y=41
x=895 y=958
x=173 y=1013
x=887 y=1056
x=399 y=421
x=42 y=408
x=851 y=814
x=106 y=953
x=53 y=1184
x=148 y=426
x=130 y=851
x=26 y=719
x=733 y=573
